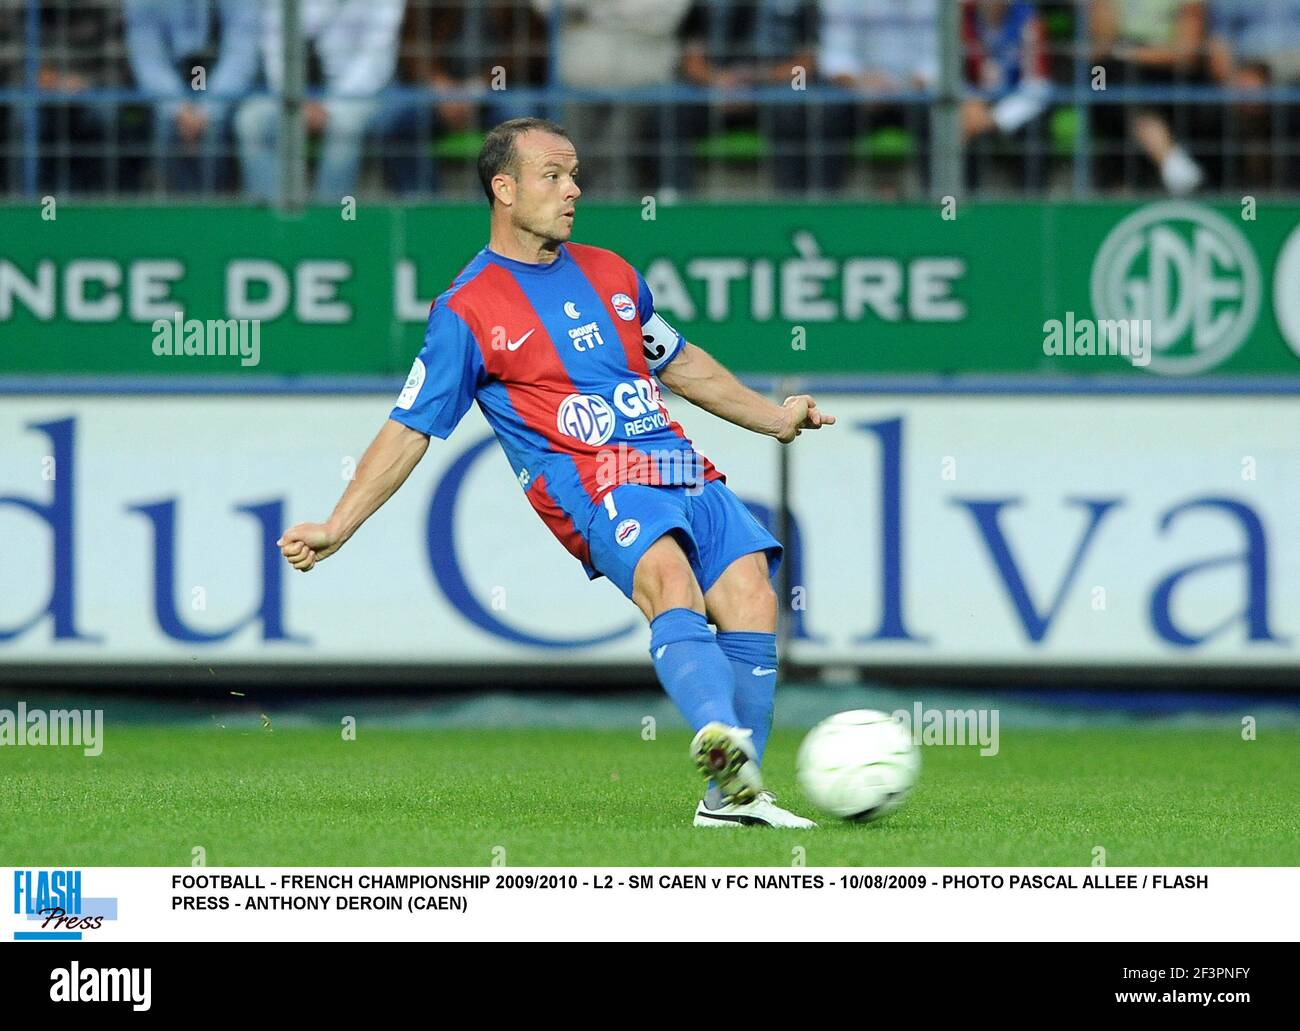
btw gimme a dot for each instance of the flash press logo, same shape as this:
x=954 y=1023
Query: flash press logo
x=54 y=899
x=1190 y=273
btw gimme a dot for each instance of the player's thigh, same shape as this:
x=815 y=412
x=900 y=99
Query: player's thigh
x=735 y=559
x=742 y=597
x=663 y=578
x=640 y=538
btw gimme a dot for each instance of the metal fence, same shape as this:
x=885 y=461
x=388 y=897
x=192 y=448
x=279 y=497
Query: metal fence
x=290 y=101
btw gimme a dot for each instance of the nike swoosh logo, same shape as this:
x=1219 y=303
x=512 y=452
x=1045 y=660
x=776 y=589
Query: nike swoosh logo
x=659 y=652
x=514 y=345
x=759 y=671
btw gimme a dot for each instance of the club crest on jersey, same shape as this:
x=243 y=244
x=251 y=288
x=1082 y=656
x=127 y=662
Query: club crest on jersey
x=626 y=532
x=623 y=307
x=411 y=389
x=586 y=417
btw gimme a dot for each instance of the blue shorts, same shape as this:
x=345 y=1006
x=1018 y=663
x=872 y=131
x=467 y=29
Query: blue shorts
x=713 y=525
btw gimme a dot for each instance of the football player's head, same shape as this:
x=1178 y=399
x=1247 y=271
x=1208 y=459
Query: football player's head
x=529 y=172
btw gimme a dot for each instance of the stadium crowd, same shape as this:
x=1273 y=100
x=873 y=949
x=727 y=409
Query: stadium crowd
x=181 y=97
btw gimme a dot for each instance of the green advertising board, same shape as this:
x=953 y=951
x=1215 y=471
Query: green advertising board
x=775 y=289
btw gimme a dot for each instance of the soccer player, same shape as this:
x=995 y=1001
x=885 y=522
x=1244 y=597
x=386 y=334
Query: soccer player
x=560 y=345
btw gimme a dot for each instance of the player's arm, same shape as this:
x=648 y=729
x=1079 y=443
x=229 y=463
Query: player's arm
x=700 y=378
x=438 y=391
x=388 y=461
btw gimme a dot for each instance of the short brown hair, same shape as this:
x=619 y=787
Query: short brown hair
x=498 y=153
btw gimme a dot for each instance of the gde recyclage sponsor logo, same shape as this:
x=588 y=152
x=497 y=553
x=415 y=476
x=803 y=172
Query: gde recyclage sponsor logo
x=592 y=420
x=1190 y=274
x=54 y=906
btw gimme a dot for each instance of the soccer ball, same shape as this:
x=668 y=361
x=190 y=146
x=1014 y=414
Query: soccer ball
x=859 y=765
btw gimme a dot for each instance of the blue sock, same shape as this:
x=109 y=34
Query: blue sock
x=692 y=668
x=755 y=696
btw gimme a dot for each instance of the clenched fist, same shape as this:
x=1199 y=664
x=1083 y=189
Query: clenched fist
x=308 y=543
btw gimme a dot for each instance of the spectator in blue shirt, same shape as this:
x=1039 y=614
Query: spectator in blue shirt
x=1006 y=61
x=196 y=57
x=1255 y=44
x=11 y=76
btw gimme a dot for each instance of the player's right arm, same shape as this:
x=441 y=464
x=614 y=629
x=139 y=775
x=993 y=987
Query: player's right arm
x=388 y=461
x=439 y=390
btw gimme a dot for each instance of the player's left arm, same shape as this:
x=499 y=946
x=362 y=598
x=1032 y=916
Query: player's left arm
x=700 y=378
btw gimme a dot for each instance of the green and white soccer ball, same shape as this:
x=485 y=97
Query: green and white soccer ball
x=859 y=765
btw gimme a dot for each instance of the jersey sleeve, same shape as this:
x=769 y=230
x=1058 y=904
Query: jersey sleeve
x=659 y=340
x=444 y=378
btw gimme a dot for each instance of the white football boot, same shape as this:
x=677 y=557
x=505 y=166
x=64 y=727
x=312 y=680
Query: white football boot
x=761 y=812
x=726 y=755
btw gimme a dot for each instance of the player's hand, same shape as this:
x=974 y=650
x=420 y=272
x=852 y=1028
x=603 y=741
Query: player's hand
x=308 y=543
x=802 y=413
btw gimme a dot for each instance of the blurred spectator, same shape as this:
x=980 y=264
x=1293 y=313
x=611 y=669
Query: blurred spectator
x=730 y=44
x=493 y=47
x=11 y=77
x=869 y=47
x=1255 y=44
x=355 y=44
x=1150 y=43
x=618 y=44
x=1004 y=55
x=87 y=146
x=166 y=41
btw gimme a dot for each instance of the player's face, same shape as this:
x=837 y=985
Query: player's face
x=547 y=190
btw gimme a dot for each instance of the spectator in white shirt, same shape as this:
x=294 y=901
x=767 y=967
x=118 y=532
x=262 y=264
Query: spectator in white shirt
x=612 y=44
x=870 y=47
x=355 y=43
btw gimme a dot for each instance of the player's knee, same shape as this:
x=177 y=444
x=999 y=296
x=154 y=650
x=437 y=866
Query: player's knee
x=743 y=599
x=756 y=606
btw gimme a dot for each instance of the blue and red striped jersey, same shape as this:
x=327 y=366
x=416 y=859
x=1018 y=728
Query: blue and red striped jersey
x=561 y=359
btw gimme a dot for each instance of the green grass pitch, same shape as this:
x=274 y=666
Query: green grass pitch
x=301 y=796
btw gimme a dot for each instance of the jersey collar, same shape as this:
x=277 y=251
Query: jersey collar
x=561 y=258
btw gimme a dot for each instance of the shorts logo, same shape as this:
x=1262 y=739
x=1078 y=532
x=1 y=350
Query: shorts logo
x=586 y=417
x=414 y=381
x=623 y=307
x=626 y=532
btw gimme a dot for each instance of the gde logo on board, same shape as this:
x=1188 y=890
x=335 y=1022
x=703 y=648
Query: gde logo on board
x=586 y=417
x=1190 y=272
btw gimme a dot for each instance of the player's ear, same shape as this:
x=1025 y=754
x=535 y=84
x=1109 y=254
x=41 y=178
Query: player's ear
x=503 y=185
